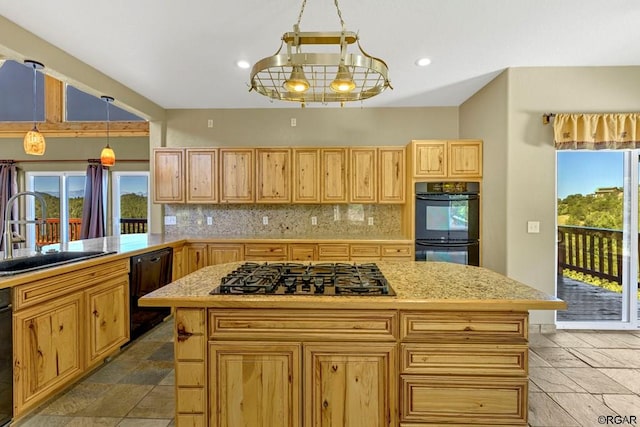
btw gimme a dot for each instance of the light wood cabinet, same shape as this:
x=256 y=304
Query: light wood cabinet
x=64 y=325
x=108 y=318
x=364 y=252
x=178 y=269
x=254 y=384
x=306 y=175
x=168 y=175
x=47 y=349
x=363 y=175
x=333 y=185
x=196 y=257
x=273 y=175
x=202 y=175
x=236 y=175
x=447 y=159
x=465 y=159
x=265 y=252
x=347 y=384
x=391 y=175
x=397 y=252
x=333 y=251
x=222 y=253
x=190 y=363
x=303 y=252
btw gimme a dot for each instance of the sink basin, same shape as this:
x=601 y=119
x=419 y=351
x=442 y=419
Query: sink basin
x=13 y=266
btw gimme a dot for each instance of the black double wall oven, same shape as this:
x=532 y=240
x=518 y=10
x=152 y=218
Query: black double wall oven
x=448 y=222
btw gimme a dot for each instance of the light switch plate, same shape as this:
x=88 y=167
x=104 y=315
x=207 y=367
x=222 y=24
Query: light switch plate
x=533 y=226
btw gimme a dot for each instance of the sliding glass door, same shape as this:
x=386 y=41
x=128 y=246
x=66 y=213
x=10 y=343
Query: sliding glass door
x=597 y=218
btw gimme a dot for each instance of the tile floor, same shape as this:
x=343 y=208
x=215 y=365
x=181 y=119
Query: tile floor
x=575 y=378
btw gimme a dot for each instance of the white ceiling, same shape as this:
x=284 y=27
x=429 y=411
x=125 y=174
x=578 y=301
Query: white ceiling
x=182 y=54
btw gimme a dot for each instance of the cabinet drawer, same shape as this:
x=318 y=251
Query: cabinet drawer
x=307 y=324
x=190 y=320
x=464 y=327
x=464 y=400
x=334 y=251
x=54 y=286
x=392 y=251
x=467 y=359
x=190 y=374
x=364 y=250
x=191 y=420
x=259 y=250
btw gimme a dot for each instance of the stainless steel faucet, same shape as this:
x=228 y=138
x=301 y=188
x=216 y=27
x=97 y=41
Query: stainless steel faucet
x=8 y=232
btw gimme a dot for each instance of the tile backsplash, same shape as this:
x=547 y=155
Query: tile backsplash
x=348 y=220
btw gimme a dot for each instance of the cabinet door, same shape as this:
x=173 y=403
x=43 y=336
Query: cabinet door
x=47 y=349
x=178 y=263
x=273 y=180
x=350 y=384
x=108 y=318
x=306 y=175
x=202 y=175
x=391 y=175
x=465 y=159
x=363 y=176
x=265 y=252
x=236 y=175
x=334 y=175
x=196 y=257
x=429 y=159
x=168 y=175
x=254 y=384
x=224 y=253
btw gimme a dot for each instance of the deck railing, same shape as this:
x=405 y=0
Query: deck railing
x=594 y=251
x=127 y=226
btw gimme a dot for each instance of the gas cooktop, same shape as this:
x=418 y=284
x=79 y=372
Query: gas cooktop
x=305 y=279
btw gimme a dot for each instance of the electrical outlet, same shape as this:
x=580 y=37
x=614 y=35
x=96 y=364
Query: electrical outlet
x=210 y=123
x=370 y=220
x=209 y=220
x=314 y=220
x=265 y=220
x=170 y=220
x=336 y=213
x=293 y=122
x=533 y=226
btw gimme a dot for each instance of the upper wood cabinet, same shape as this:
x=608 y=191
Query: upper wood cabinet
x=333 y=186
x=363 y=175
x=202 y=175
x=168 y=175
x=447 y=159
x=273 y=175
x=306 y=175
x=465 y=159
x=236 y=175
x=391 y=175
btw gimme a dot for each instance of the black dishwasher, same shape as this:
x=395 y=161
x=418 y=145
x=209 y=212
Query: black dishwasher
x=6 y=356
x=149 y=272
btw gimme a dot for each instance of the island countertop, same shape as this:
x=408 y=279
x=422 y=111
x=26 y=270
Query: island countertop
x=418 y=285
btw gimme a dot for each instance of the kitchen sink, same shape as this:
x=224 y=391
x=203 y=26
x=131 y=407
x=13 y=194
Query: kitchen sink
x=20 y=265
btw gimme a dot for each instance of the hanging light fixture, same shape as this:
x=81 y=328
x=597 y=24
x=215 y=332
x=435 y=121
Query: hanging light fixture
x=303 y=76
x=34 y=141
x=107 y=156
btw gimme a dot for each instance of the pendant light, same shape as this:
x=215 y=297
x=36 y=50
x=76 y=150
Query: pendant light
x=34 y=143
x=107 y=156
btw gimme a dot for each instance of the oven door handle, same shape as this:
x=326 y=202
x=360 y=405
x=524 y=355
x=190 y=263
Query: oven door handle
x=445 y=244
x=6 y=308
x=447 y=197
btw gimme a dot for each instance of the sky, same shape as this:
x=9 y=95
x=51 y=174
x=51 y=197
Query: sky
x=582 y=172
x=51 y=185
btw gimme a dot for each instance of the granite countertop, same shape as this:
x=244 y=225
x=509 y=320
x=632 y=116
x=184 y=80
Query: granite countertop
x=418 y=285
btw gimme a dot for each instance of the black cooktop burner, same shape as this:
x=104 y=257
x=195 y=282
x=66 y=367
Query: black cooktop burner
x=305 y=279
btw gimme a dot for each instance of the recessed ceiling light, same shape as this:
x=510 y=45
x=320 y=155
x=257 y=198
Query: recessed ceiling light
x=243 y=64
x=423 y=62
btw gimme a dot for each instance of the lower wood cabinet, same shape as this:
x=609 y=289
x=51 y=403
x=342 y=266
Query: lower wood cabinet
x=224 y=253
x=64 y=325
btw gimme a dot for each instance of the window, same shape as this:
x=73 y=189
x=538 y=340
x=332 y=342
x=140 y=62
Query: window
x=64 y=196
x=82 y=107
x=597 y=217
x=130 y=202
x=16 y=93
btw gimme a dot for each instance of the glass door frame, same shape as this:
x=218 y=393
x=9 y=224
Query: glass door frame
x=115 y=199
x=629 y=310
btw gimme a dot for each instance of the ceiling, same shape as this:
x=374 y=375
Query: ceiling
x=183 y=54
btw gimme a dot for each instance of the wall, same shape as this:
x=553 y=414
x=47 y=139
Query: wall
x=485 y=115
x=530 y=155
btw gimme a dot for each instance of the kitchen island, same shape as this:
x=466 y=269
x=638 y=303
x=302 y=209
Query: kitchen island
x=450 y=347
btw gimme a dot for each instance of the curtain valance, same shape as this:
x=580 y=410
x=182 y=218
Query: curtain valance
x=597 y=131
